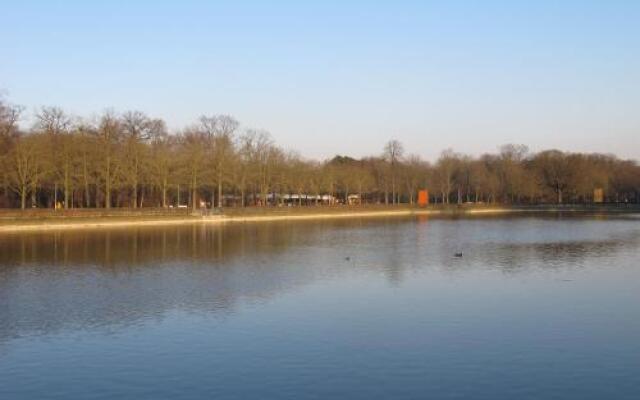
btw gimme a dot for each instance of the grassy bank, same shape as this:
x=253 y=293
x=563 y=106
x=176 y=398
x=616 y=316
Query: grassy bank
x=36 y=220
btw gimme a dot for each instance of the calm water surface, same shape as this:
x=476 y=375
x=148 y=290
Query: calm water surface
x=361 y=309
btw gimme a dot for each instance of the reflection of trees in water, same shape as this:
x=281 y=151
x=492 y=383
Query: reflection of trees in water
x=513 y=258
x=519 y=245
x=112 y=278
x=400 y=250
x=143 y=245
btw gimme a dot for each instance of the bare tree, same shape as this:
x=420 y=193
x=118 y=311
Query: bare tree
x=393 y=152
x=56 y=125
x=25 y=160
x=220 y=131
x=554 y=171
x=9 y=117
x=415 y=174
x=163 y=164
x=262 y=155
x=109 y=136
x=135 y=127
x=86 y=135
x=444 y=173
x=193 y=159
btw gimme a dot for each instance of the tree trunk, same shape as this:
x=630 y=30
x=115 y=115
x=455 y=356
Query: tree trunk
x=134 y=197
x=87 y=198
x=23 y=197
x=220 y=186
x=107 y=186
x=393 y=191
x=559 y=196
x=135 y=181
x=164 y=193
x=66 y=185
x=193 y=194
x=346 y=195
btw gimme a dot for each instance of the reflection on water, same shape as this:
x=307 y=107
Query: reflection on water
x=80 y=279
x=352 y=280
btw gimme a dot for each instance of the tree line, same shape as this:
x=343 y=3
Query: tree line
x=131 y=160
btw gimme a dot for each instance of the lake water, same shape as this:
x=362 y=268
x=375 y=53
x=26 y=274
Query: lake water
x=360 y=309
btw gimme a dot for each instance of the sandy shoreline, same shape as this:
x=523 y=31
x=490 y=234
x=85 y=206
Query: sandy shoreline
x=225 y=219
x=39 y=226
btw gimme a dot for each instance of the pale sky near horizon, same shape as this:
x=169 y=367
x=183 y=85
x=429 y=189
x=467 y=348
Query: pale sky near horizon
x=343 y=77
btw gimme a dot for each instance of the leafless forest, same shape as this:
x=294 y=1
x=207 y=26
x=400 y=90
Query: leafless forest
x=131 y=160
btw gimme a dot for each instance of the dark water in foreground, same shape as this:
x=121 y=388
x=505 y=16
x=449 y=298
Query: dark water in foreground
x=536 y=308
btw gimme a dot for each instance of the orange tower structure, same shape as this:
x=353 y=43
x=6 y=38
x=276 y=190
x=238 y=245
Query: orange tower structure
x=423 y=198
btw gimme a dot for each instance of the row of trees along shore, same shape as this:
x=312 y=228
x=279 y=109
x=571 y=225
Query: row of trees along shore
x=131 y=160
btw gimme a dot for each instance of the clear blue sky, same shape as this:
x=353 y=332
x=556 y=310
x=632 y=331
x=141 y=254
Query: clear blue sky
x=343 y=78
